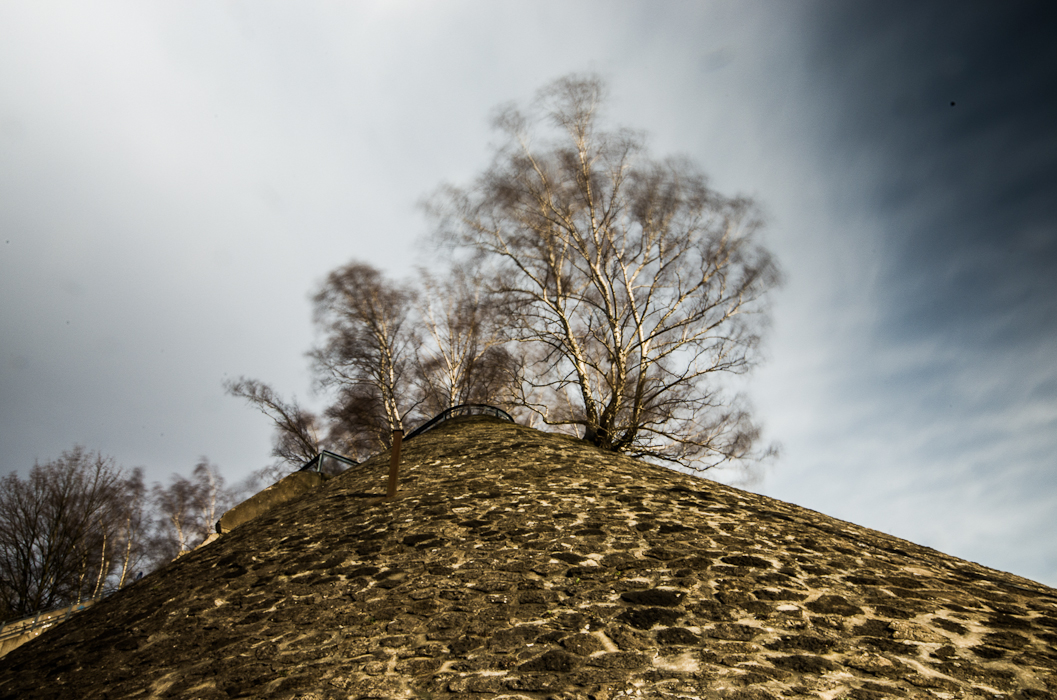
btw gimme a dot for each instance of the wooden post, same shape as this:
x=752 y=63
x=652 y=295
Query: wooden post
x=394 y=463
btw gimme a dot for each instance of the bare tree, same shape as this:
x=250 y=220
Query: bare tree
x=175 y=507
x=357 y=422
x=188 y=510
x=64 y=530
x=635 y=284
x=118 y=540
x=296 y=430
x=369 y=347
x=134 y=524
x=465 y=360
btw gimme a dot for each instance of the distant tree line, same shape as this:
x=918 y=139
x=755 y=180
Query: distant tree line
x=592 y=288
x=81 y=525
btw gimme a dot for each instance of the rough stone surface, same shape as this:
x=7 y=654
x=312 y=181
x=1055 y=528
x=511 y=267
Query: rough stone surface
x=519 y=564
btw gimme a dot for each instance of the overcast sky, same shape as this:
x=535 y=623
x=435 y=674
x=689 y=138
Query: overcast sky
x=177 y=178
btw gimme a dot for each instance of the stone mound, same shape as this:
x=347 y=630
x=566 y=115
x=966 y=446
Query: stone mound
x=521 y=564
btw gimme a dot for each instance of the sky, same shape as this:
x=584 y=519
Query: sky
x=177 y=178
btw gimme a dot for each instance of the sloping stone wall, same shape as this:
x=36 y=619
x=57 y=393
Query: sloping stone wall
x=522 y=564
x=286 y=489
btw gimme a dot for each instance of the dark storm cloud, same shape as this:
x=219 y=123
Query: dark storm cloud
x=935 y=417
x=956 y=103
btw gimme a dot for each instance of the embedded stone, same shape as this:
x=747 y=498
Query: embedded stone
x=833 y=605
x=915 y=633
x=554 y=661
x=582 y=644
x=803 y=663
x=738 y=633
x=746 y=560
x=666 y=598
x=646 y=618
x=677 y=635
x=619 y=660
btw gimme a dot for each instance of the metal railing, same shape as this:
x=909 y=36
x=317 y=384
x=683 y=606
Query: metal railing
x=316 y=463
x=42 y=619
x=466 y=409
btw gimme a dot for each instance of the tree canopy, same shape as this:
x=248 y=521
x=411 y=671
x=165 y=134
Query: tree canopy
x=630 y=284
x=594 y=288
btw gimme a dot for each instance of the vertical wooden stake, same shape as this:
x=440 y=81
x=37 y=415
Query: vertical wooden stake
x=394 y=463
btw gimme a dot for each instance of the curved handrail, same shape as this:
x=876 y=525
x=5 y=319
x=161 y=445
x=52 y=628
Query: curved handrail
x=466 y=409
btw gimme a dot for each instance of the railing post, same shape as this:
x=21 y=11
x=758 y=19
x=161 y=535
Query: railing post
x=394 y=462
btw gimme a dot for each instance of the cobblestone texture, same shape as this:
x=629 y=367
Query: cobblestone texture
x=520 y=564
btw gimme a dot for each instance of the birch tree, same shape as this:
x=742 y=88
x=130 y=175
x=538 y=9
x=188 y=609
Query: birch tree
x=187 y=510
x=634 y=285
x=369 y=348
x=465 y=359
x=134 y=524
